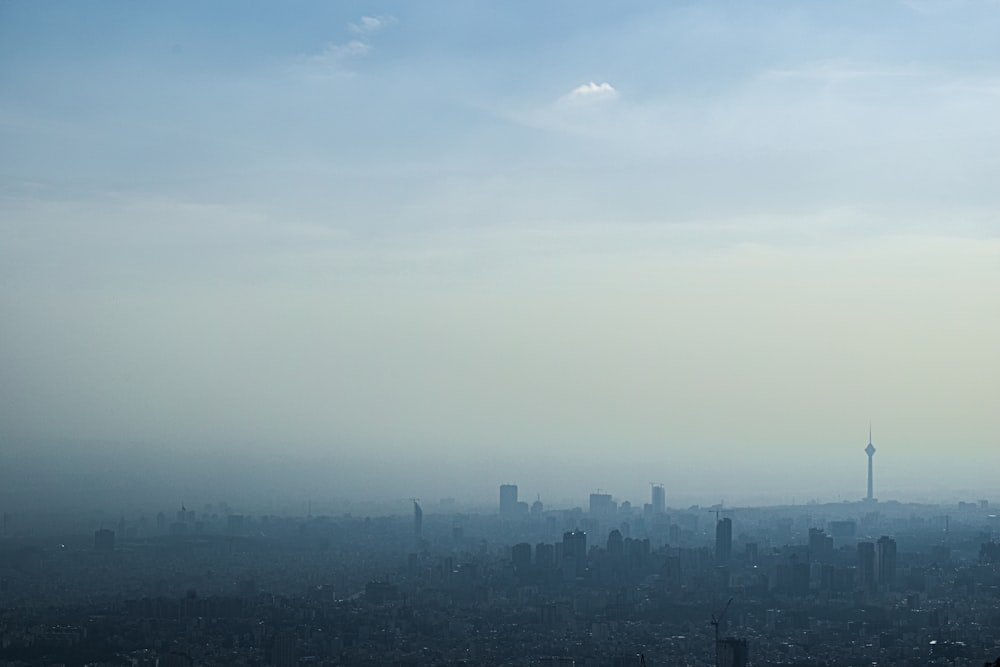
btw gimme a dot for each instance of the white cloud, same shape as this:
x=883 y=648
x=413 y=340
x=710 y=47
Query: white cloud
x=334 y=53
x=370 y=24
x=333 y=60
x=592 y=92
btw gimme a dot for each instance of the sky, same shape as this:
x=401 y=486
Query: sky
x=384 y=250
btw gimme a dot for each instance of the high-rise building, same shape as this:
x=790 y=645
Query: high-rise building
x=574 y=551
x=866 y=565
x=508 y=500
x=732 y=652
x=885 y=563
x=659 y=499
x=723 y=540
x=616 y=544
x=283 y=649
x=601 y=504
x=870 y=451
x=820 y=545
x=520 y=556
x=418 y=520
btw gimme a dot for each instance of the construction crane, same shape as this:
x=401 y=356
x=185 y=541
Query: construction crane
x=715 y=624
x=719 y=509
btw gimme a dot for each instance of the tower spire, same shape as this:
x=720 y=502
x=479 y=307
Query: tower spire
x=870 y=451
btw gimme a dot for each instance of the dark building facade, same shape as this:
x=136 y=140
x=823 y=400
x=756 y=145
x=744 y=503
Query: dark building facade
x=723 y=540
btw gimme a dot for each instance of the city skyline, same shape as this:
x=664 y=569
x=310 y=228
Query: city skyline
x=111 y=477
x=499 y=333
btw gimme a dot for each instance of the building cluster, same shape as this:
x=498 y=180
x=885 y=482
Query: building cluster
x=608 y=584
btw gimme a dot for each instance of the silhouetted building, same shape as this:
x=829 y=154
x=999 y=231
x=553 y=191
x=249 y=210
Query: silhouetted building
x=885 y=562
x=520 y=556
x=723 y=540
x=732 y=652
x=601 y=504
x=104 y=540
x=616 y=544
x=820 y=546
x=574 y=552
x=659 y=499
x=508 y=500
x=418 y=520
x=283 y=653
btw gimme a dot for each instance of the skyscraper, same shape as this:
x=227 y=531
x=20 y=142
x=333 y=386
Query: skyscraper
x=601 y=504
x=659 y=499
x=508 y=500
x=885 y=563
x=418 y=520
x=723 y=540
x=575 y=551
x=732 y=652
x=870 y=451
x=520 y=556
x=820 y=545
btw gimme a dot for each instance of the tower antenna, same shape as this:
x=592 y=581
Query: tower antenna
x=870 y=451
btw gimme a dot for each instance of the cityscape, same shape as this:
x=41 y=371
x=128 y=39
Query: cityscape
x=869 y=582
x=575 y=333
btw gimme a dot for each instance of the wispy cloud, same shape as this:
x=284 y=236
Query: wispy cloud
x=369 y=24
x=335 y=53
x=332 y=58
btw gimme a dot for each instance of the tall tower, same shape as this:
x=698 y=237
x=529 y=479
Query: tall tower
x=418 y=521
x=870 y=451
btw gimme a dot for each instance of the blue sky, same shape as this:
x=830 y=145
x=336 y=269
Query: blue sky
x=470 y=228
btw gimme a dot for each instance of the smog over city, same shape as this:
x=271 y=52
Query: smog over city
x=565 y=333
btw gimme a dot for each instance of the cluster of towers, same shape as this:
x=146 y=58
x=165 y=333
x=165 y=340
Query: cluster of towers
x=511 y=507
